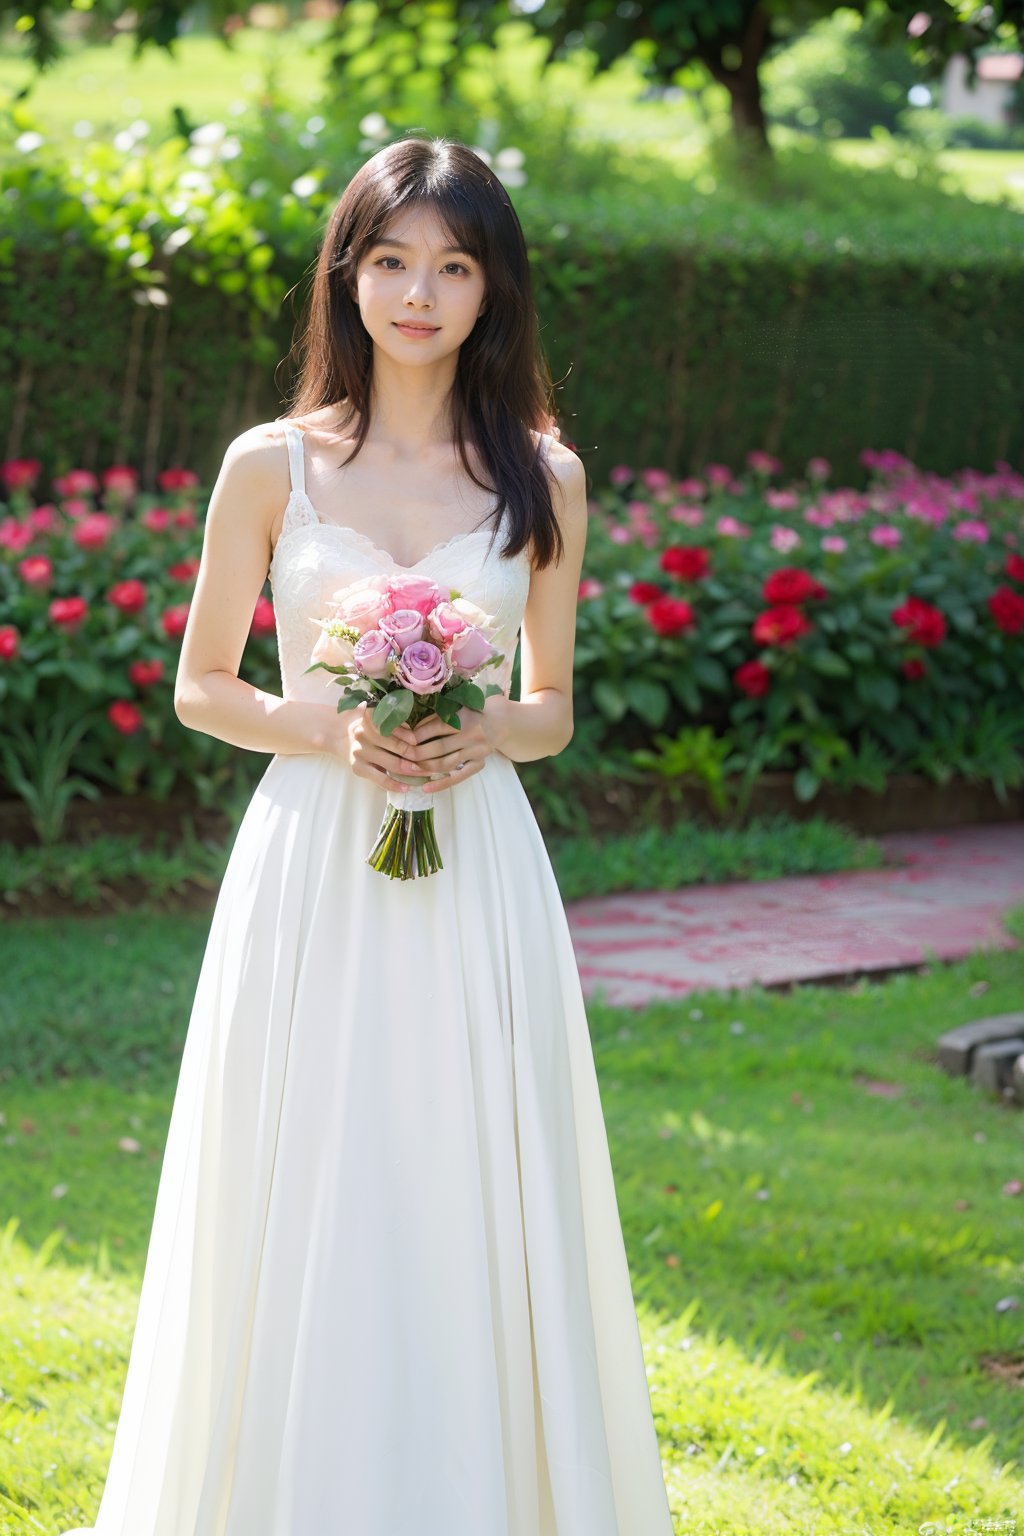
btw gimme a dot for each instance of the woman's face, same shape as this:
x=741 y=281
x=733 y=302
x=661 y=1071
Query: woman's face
x=412 y=277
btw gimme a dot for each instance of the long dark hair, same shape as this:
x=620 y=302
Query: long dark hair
x=502 y=384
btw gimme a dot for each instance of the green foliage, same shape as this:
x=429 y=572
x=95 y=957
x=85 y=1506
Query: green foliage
x=36 y=757
x=695 y=751
x=838 y=79
x=691 y=853
x=117 y=873
x=112 y=871
x=817 y=304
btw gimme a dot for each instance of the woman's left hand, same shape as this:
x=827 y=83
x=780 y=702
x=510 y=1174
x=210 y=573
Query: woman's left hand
x=454 y=753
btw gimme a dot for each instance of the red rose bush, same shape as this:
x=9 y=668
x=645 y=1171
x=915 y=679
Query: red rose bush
x=809 y=626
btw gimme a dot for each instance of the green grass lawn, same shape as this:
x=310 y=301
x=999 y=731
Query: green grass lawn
x=821 y=1229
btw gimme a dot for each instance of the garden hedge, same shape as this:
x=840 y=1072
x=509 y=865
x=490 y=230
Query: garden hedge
x=149 y=294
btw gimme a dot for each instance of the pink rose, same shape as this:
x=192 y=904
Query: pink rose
x=405 y=626
x=419 y=592
x=121 y=477
x=362 y=609
x=472 y=614
x=373 y=653
x=177 y=479
x=36 y=570
x=15 y=535
x=422 y=668
x=75 y=482
x=332 y=648
x=445 y=621
x=43 y=519
x=469 y=650
x=94 y=530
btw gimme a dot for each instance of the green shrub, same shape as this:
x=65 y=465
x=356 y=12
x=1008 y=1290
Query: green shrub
x=148 y=293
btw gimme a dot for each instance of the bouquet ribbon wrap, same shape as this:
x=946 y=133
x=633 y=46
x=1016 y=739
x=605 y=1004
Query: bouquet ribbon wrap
x=412 y=799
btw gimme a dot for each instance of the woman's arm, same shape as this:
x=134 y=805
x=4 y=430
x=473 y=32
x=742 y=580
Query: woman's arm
x=539 y=723
x=209 y=696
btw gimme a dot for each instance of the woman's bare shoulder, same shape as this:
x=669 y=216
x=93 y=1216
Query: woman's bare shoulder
x=565 y=464
x=259 y=448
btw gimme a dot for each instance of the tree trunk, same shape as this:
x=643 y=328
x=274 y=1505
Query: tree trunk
x=744 y=82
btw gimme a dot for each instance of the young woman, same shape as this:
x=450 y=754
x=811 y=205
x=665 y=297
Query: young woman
x=386 y=1292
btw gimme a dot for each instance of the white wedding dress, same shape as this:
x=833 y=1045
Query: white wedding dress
x=386 y=1292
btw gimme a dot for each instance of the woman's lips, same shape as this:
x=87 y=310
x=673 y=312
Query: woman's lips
x=416 y=330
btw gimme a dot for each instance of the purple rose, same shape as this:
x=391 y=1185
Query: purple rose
x=422 y=668
x=469 y=650
x=373 y=652
x=405 y=626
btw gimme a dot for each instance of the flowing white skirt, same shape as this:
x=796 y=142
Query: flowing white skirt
x=386 y=1292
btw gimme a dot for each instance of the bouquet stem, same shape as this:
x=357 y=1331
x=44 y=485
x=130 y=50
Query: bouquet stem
x=406 y=845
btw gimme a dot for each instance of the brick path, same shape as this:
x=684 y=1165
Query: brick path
x=947 y=897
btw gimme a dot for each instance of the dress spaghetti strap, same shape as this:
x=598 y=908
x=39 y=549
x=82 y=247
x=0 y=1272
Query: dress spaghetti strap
x=296 y=457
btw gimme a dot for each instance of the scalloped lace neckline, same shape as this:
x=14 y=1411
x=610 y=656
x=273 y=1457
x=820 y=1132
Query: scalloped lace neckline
x=366 y=542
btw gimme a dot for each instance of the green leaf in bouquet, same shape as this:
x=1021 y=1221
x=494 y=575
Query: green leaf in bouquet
x=350 y=700
x=326 y=665
x=393 y=709
x=447 y=709
x=469 y=694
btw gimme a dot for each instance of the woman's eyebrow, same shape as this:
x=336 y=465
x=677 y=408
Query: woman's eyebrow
x=402 y=245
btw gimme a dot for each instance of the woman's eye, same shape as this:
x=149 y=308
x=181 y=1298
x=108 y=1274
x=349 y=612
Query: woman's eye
x=458 y=264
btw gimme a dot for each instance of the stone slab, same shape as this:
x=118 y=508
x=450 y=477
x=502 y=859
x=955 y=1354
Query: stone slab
x=944 y=902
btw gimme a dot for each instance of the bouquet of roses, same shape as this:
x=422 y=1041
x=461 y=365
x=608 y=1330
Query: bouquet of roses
x=408 y=648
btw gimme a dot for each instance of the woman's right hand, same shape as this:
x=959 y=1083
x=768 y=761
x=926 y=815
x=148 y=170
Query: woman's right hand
x=369 y=754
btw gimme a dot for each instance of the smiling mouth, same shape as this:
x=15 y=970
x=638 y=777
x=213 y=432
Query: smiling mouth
x=408 y=325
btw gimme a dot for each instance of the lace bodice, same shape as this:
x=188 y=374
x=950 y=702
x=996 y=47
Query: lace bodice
x=314 y=557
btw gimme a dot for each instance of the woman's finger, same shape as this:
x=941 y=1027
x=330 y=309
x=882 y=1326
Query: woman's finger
x=452 y=758
x=471 y=766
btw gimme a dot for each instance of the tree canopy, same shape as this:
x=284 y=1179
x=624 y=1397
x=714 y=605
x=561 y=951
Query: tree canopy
x=672 y=38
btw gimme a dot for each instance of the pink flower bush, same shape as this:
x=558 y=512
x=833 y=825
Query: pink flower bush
x=972 y=529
